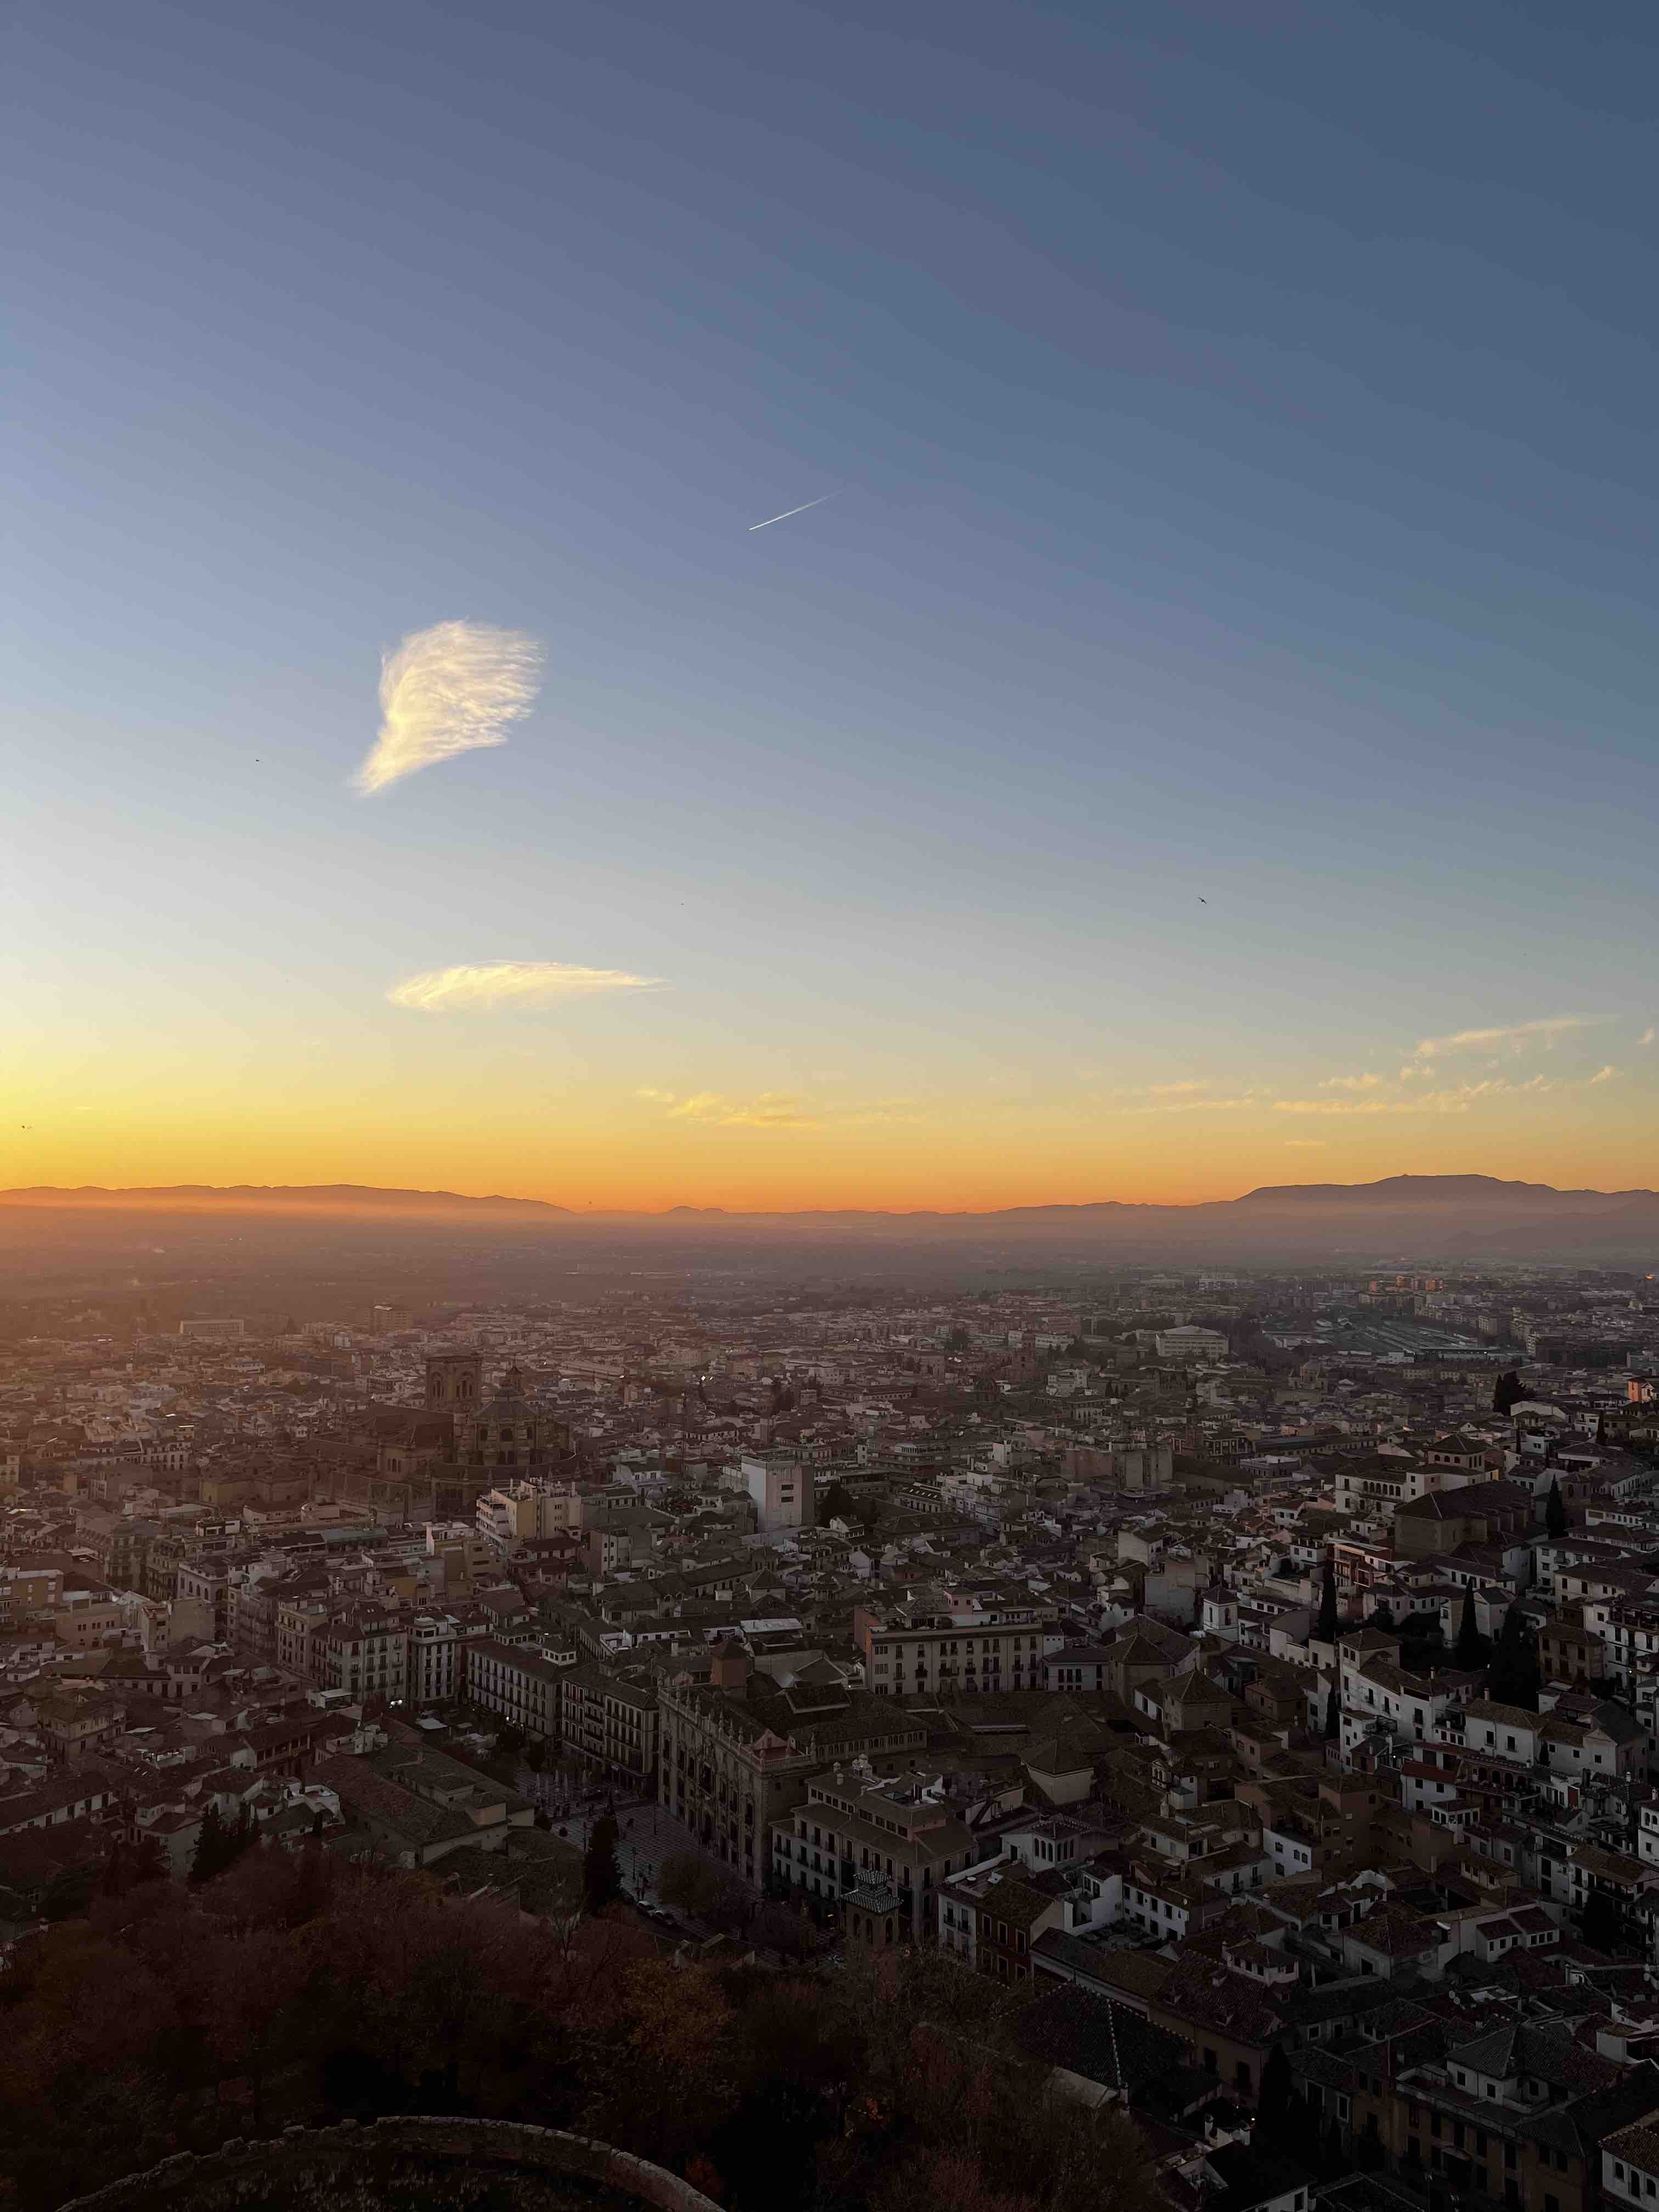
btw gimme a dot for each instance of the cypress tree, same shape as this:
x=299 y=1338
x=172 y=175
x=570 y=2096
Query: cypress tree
x=601 y=1874
x=1325 y=1627
x=1333 y=1714
x=210 y=1855
x=1514 y=1676
x=1276 y=2113
x=1471 y=1644
x=1555 y=1513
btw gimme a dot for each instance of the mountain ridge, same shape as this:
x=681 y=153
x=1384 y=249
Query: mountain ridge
x=1389 y=1190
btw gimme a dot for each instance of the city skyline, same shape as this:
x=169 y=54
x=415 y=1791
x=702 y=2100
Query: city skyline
x=1189 y=728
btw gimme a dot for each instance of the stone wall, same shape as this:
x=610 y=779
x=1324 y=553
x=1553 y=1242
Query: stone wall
x=404 y=2165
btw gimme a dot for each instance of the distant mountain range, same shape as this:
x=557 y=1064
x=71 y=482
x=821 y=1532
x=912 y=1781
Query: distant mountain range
x=326 y=1198
x=1421 y=1216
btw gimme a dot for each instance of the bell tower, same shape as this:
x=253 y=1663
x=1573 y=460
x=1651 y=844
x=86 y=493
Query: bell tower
x=454 y=1381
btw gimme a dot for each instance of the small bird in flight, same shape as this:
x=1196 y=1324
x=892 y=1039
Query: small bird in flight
x=789 y=511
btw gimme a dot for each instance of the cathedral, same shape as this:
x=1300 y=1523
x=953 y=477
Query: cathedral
x=431 y=1463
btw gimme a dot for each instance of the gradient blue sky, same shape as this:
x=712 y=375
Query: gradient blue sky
x=1242 y=419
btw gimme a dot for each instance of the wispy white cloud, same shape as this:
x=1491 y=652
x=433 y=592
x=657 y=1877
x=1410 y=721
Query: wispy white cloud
x=772 y=1109
x=510 y=984
x=449 y=690
x=1170 y=1098
x=1457 y=1101
x=901 y=1110
x=1604 y=1074
x=1512 y=1033
x=1646 y=1036
x=779 y=1110
x=1350 y=1082
x=700 y=1106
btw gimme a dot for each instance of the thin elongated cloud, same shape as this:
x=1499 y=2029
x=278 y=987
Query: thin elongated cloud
x=449 y=690
x=1547 y=1030
x=779 y=1110
x=510 y=984
x=1366 y=1082
x=1454 y=1101
x=773 y=1110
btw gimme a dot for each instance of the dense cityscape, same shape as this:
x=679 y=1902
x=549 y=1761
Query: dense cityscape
x=829 y=1254
x=1226 y=1700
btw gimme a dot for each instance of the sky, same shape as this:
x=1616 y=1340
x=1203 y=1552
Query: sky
x=1202 y=735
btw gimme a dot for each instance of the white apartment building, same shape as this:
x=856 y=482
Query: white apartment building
x=1378 y=1697
x=1375 y=1486
x=783 y=1493
x=515 y=1512
x=1190 y=1343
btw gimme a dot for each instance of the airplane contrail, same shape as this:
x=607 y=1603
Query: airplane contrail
x=789 y=511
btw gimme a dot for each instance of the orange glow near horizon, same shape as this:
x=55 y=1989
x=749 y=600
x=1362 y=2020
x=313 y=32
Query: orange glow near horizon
x=615 y=1156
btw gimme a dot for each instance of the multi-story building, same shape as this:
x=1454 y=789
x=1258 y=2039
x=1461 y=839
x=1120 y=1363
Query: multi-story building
x=302 y=1617
x=515 y=1513
x=735 y=1755
x=84 y=1618
x=365 y=1652
x=1442 y=1520
x=782 y=1492
x=609 y=1722
x=517 y=1684
x=435 y=1672
x=202 y=1598
x=1378 y=1483
x=955 y=1649
x=850 y=1831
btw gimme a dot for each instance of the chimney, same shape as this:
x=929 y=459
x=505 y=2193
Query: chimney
x=730 y=1669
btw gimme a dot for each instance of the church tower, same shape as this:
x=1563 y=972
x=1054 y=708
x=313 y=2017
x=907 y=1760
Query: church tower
x=453 y=1381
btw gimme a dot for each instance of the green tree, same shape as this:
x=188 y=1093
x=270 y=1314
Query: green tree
x=1555 y=1513
x=1508 y=1391
x=1513 y=1678
x=601 y=1874
x=1471 y=1646
x=688 y=1883
x=1325 y=1627
x=209 y=1857
x=1384 y=1616
x=1333 y=1714
x=1278 y=2114
x=1599 y=1924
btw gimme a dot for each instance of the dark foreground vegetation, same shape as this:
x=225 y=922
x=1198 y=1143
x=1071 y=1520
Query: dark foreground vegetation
x=289 y=1988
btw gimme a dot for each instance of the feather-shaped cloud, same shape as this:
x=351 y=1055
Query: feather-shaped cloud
x=449 y=690
x=509 y=983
